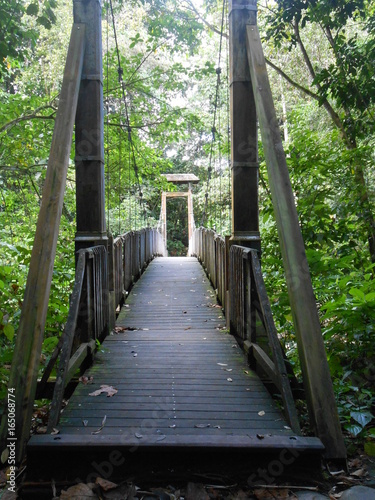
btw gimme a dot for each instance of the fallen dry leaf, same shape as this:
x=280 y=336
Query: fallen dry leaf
x=274 y=494
x=3 y=478
x=98 y=431
x=105 y=485
x=196 y=491
x=119 y=329
x=358 y=473
x=356 y=462
x=86 y=380
x=261 y=413
x=111 y=391
x=124 y=492
x=79 y=492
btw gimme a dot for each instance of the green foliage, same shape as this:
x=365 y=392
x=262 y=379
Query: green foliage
x=343 y=275
x=18 y=32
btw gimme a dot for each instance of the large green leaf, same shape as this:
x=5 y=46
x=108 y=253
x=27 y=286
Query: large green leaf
x=362 y=418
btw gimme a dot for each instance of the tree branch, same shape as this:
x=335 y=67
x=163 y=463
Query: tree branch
x=199 y=15
x=292 y=82
x=327 y=105
x=31 y=116
x=144 y=125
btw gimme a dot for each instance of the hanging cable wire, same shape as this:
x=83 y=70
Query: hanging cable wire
x=228 y=128
x=119 y=180
x=129 y=191
x=107 y=118
x=220 y=230
x=130 y=137
x=213 y=129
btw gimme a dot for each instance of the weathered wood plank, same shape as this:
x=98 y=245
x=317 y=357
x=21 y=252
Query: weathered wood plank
x=267 y=442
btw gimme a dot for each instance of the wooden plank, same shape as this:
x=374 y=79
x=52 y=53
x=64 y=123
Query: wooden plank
x=151 y=425
x=95 y=441
x=115 y=417
x=177 y=194
x=79 y=357
x=27 y=351
x=182 y=178
x=314 y=365
x=199 y=403
x=265 y=363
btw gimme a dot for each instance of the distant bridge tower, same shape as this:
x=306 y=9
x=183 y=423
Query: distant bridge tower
x=188 y=179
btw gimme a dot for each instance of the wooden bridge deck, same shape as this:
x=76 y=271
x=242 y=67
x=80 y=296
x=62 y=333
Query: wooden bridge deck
x=181 y=380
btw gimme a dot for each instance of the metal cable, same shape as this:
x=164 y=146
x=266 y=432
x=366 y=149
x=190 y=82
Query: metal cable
x=130 y=138
x=213 y=129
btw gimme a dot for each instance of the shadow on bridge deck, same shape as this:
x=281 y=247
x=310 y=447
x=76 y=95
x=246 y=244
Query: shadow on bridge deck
x=182 y=383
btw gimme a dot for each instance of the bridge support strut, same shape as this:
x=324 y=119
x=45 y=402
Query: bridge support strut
x=89 y=133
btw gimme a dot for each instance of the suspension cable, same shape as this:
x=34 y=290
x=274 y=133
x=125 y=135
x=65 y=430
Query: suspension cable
x=119 y=180
x=107 y=118
x=130 y=137
x=213 y=129
x=220 y=229
x=228 y=130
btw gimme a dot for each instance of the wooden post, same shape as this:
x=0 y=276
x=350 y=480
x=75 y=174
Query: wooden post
x=164 y=216
x=190 y=213
x=315 y=370
x=111 y=284
x=244 y=140
x=26 y=357
x=89 y=133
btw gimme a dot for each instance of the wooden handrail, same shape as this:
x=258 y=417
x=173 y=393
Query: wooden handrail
x=68 y=339
x=240 y=274
x=89 y=313
x=281 y=375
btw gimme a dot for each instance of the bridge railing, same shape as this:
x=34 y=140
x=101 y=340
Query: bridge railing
x=211 y=249
x=236 y=274
x=132 y=252
x=102 y=278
